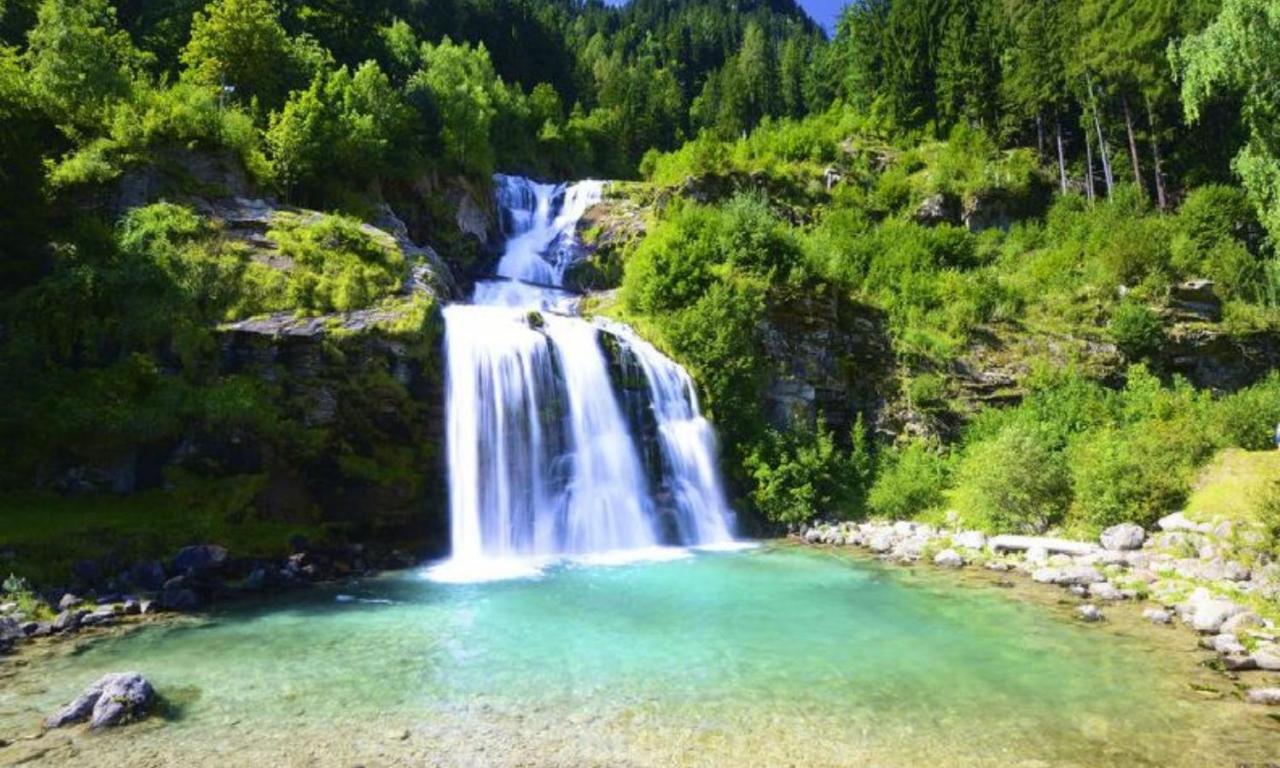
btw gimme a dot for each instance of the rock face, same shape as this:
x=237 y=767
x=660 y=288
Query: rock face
x=116 y=699
x=1125 y=536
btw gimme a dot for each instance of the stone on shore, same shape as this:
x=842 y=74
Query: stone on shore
x=1009 y=543
x=1125 y=536
x=1089 y=612
x=1158 y=616
x=969 y=540
x=948 y=558
x=116 y=699
x=1068 y=576
x=1208 y=616
x=1267 y=696
x=199 y=559
x=1179 y=522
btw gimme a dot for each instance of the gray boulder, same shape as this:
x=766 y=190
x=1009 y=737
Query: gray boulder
x=1266 y=696
x=1124 y=536
x=199 y=559
x=969 y=540
x=1158 y=616
x=1089 y=613
x=69 y=620
x=948 y=558
x=116 y=699
x=1105 y=590
x=1267 y=658
x=1068 y=576
x=68 y=602
x=1227 y=645
x=1208 y=616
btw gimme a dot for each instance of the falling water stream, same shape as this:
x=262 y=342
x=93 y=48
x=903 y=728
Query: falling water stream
x=553 y=452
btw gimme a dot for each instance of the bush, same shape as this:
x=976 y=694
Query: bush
x=1136 y=330
x=911 y=480
x=798 y=474
x=1014 y=482
x=1248 y=418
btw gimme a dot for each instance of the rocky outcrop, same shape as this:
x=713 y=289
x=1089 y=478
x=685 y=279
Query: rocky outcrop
x=114 y=700
x=1211 y=357
x=826 y=356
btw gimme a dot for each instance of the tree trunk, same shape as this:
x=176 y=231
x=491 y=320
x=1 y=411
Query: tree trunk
x=1062 y=159
x=1133 y=142
x=1039 y=137
x=1088 y=155
x=1102 y=143
x=1162 y=199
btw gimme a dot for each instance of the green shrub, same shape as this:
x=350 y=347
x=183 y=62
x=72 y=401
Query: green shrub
x=910 y=481
x=1136 y=330
x=1014 y=482
x=799 y=474
x=1247 y=419
x=337 y=264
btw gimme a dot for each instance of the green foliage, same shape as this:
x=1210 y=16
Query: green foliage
x=798 y=475
x=910 y=480
x=80 y=62
x=460 y=81
x=240 y=44
x=337 y=265
x=1240 y=51
x=1014 y=481
x=1136 y=330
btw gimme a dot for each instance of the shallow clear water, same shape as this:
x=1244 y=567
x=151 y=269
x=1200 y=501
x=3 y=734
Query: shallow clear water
x=763 y=657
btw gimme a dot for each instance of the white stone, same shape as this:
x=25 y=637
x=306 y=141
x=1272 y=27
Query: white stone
x=948 y=558
x=1124 y=536
x=1157 y=616
x=1179 y=522
x=1209 y=615
x=1267 y=696
x=1089 y=613
x=969 y=540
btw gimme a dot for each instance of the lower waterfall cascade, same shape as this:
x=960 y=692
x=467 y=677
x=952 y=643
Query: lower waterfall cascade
x=566 y=437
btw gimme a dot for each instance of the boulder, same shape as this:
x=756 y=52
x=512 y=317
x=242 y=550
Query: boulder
x=1179 y=522
x=68 y=602
x=881 y=541
x=1068 y=576
x=1105 y=590
x=69 y=620
x=116 y=699
x=1267 y=658
x=1158 y=616
x=948 y=558
x=1125 y=536
x=1242 y=622
x=199 y=559
x=1089 y=612
x=1266 y=696
x=1208 y=616
x=1008 y=543
x=969 y=540
x=1227 y=645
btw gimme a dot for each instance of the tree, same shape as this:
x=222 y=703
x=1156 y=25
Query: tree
x=1034 y=83
x=1240 y=51
x=79 y=61
x=462 y=84
x=240 y=43
x=757 y=70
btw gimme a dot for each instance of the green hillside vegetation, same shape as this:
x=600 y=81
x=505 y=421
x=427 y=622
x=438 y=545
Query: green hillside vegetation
x=966 y=170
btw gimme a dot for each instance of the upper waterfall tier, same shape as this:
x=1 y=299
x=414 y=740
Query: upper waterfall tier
x=539 y=222
x=565 y=437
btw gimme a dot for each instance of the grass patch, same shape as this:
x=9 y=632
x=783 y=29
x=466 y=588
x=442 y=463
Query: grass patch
x=44 y=535
x=1233 y=485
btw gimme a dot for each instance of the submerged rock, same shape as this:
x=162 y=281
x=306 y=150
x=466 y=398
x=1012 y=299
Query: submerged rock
x=1158 y=616
x=1089 y=612
x=116 y=699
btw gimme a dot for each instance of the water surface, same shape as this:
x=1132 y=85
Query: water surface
x=769 y=657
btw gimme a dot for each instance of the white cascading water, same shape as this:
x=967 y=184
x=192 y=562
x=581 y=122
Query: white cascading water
x=544 y=461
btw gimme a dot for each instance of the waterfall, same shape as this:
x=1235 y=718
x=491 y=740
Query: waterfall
x=549 y=454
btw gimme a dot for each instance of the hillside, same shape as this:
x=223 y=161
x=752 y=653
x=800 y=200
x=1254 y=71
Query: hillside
x=946 y=263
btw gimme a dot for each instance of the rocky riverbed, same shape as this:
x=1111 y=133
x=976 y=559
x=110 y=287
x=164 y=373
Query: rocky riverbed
x=1212 y=578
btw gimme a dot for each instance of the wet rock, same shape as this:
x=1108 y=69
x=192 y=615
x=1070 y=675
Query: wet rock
x=1158 y=616
x=1124 y=536
x=132 y=607
x=1266 y=696
x=1071 y=575
x=1227 y=645
x=813 y=536
x=103 y=614
x=1105 y=590
x=68 y=621
x=1089 y=612
x=948 y=558
x=199 y=559
x=116 y=699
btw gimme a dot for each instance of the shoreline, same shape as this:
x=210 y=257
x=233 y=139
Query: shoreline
x=1212 y=596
